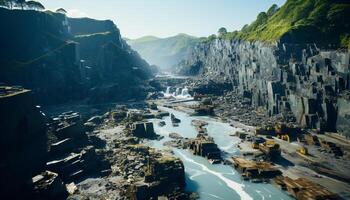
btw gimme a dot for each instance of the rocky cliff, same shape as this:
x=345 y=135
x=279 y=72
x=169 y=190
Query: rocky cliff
x=295 y=80
x=22 y=140
x=63 y=59
x=292 y=61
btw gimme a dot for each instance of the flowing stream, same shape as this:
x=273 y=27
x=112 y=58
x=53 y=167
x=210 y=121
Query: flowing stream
x=217 y=181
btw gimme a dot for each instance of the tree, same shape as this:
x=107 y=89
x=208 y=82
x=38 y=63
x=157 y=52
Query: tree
x=21 y=3
x=8 y=3
x=245 y=28
x=272 y=10
x=3 y=3
x=212 y=37
x=35 y=5
x=222 y=31
x=61 y=10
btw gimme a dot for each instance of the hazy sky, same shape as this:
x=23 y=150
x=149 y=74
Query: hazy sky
x=162 y=18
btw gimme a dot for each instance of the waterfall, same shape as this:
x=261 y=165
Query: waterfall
x=178 y=91
x=184 y=92
x=178 y=94
x=167 y=90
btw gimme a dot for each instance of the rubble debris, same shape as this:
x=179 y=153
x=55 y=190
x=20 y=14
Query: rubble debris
x=270 y=149
x=303 y=188
x=119 y=114
x=160 y=114
x=142 y=129
x=288 y=132
x=164 y=174
x=175 y=121
x=311 y=139
x=204 y=110
x=152 y=106
x=205 y=146
x=255 y=169
x=48 y=185
x=68 y=125
x=162 y=123
x=200 y=126
x=71 y=188
x=330 y=147
x=134 y=115
x=175 y=136
x=76 y=165
x=241 y=135
x=71 y=151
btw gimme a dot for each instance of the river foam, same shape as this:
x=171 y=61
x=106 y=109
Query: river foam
x=238 y=188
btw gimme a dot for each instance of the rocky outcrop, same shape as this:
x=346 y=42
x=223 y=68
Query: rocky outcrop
x=48 y=185
x=297 y=80
x=72 y=152
x=22 y=141
x=142 y=130
x=64 y=59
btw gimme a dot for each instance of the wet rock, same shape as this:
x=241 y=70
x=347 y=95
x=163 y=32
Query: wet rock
x=175 y=121
x=175 y=136
x=162 y=123
x=96 y=120
x=205 y=146
x=48 y=185
x=143 y=129
x=71 y=188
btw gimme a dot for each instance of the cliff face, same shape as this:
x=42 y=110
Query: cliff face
x=63 y=59
x=22 y=140
x=287 y=79
x=115 y=71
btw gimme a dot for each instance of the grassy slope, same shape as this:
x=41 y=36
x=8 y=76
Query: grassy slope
x=322 y=21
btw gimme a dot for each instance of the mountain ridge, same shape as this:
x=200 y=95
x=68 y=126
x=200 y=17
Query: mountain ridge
x=164 y=52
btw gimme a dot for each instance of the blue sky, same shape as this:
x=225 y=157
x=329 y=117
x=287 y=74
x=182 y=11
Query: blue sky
x=164 y=18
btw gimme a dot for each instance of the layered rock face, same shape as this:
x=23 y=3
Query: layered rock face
x=22 y=140
x=107 y=63
x=63 y=59
x=299 y=81
x=37 y=55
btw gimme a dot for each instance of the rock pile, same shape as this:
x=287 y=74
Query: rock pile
x=72 y=154
x=204 y=146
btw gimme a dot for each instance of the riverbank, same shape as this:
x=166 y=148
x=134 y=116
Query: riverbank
x=291 y=164
x=211 y=181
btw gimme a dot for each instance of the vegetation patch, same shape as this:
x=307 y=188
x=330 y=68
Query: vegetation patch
x=325 y=22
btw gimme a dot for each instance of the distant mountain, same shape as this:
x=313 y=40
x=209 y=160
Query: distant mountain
x=163 y=52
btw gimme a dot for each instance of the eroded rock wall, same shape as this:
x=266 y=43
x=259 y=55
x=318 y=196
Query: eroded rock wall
x=63 y=60
x=296 y=81
x=23 y=139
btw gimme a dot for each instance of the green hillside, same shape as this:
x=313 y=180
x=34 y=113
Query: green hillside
x=143 y=39
x=326 y=22
x=164 y=52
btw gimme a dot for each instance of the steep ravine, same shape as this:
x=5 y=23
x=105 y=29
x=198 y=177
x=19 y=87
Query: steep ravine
x=63 y=60
x=298 y=80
